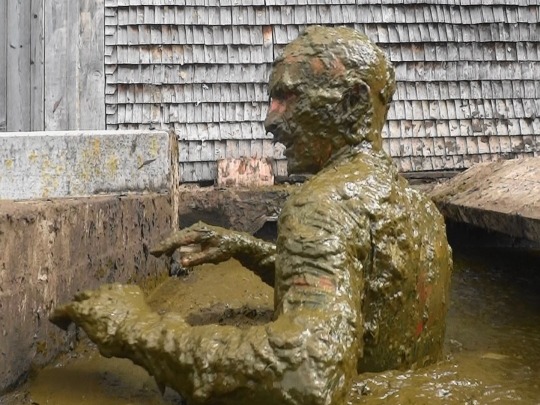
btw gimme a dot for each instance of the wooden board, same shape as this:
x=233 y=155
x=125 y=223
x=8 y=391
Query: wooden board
x=499 y=196
x=37 y=68
x=56 y=48
x=18 y=67
x=72 y=62
x=92 y=69
x=75 y=82
x=3 y=66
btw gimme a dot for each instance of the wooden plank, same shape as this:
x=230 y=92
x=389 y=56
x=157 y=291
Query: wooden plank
x=56 y=97
x=92 y=76
x=500 y=196
x=18 y=68
x=3 y=66
x=37 y=68
x=72 y=61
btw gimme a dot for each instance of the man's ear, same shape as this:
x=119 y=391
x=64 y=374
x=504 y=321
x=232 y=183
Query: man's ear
x=356 y=95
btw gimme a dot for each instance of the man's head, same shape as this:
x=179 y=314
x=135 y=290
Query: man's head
x=330 y=88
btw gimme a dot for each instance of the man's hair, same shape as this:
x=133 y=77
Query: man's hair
x=361 y=58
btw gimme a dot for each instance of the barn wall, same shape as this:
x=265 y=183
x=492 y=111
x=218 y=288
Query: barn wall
x=468 y=87
x=51 y=65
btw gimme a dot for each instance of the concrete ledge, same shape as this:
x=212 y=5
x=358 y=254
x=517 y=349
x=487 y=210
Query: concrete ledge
x=36 y=165
x=501 y=196
x=53 y=249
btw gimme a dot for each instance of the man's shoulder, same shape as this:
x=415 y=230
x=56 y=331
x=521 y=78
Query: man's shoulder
x=355 y=177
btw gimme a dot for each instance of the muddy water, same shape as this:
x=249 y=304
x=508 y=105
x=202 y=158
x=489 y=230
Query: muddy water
x=492 y=345
x=492 y=339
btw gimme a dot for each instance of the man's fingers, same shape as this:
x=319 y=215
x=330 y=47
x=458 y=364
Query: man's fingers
x=209 y=255
x=64 y=315
x=168 y=245
x=189 y=236
x=61 y=317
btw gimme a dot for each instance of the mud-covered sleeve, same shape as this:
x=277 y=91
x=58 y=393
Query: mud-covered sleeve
x=217 y=244
x=308 y=357
x=322 y=248
x=259 y=256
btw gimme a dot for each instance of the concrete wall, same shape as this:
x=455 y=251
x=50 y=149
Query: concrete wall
x=50 y=250
x=53 y=249
x=74 y=164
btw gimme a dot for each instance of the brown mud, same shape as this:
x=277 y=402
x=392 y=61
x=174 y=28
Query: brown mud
x=492 y=343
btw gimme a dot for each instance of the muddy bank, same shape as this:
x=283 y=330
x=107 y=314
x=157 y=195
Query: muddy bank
x=52 y=249
x=227 y=294
x=244 y=210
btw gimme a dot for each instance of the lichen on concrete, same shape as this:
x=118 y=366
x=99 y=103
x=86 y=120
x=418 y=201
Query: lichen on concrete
x=38 y=165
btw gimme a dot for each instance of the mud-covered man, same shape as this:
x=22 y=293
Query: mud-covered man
x=361 y=265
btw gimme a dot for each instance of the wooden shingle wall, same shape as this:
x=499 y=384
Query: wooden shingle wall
x=468 y=74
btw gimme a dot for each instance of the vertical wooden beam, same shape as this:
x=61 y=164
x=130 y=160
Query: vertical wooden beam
x=56 y=99
x=72 y=63
x=3 y=66
x=37 y=68
x=92 y=66
x=18 y=69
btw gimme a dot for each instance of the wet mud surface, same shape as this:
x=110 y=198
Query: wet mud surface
x=492 y=345
x=492 y=340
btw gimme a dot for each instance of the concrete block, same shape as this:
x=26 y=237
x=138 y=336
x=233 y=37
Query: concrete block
x=37 y=165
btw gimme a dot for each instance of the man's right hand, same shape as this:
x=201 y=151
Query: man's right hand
x=216 y=244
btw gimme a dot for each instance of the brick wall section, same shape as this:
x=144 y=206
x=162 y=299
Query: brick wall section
x=468 y=74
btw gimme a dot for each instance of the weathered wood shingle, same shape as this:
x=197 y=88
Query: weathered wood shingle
x=467 y=72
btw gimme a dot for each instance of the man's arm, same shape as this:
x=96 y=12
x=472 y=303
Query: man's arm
x=218 y=245
x=303 y=358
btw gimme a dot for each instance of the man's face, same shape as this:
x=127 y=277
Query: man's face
x=295 y=119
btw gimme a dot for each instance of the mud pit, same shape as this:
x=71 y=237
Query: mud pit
x=492 y=342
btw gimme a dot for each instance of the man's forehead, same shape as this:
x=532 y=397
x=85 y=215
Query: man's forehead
x=289 y=71
x=294 y=69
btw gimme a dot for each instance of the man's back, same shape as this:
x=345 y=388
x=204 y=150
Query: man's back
x=397 y=261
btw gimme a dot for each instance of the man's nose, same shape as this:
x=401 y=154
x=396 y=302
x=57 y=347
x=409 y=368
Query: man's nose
x=277 y=106
x=273 y=115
